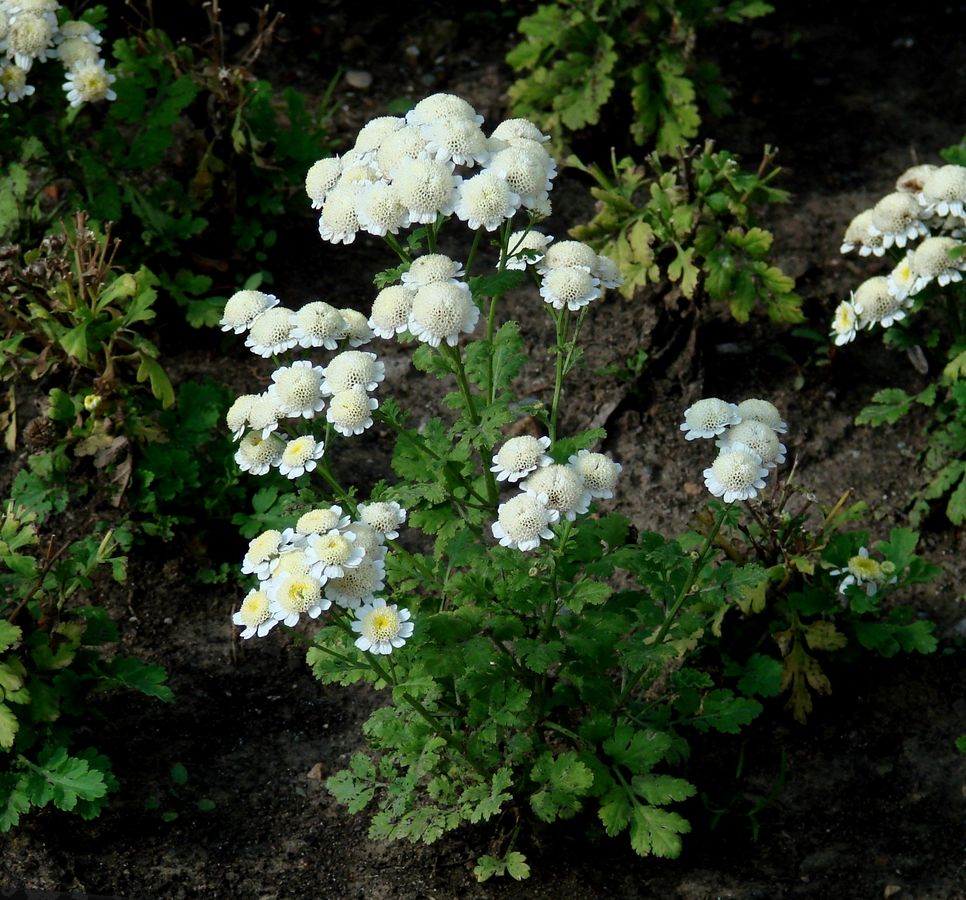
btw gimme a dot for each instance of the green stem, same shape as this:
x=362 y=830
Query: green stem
x=472 y=257
x=390 y=239
x=696 y=566
x=451 y=742
x=561 y=320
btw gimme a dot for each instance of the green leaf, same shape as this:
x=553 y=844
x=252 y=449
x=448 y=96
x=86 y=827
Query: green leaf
x=8 y=727
x=762 y=676
x=566 y=781
x=659 y=790
x=9 y=634
x=139 y=676
x=725 y=712
x=63 y=780
x=160 y=383
x=179 y=774
x=657 y=832
x=615 y=811
x=887 y=406
x=638 y=750
x=74 y=343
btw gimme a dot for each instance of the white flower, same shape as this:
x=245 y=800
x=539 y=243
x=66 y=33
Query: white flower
x=292 y=560
x=608 y=272
x=350 y=411
x=737 y=474
x=351 y=369
x=391 y=309
x=563 y=487
x=321 y=178
x=255 y=615
x=932 y=261
x=511 y=130
x=598 y=471
x=339 y=221
x=523 y=521
x=858 y=234
x=29 y=38
x=486 y=201
x=384 y=517
x=896 y=218
x=405 y=143
x=902 y=279
x=264 y=413
x=569 y=287
x=256 y=455
x=381 y=627
x=292 y=596
x=432 y=268
x=526 y=248
x=300 y=456
x=375 y=131
x=237 y=416
x=757 y=436
x=332 y=553
x=426 y=187
x=318 y=324
x=379 y=209
x=877 y=304
x=74 y=30
x=89 y=82
x=442 y=106
x=262 y=555
x=861 y=571
x=519 y=456
x=456 y=139
x=569 y=255
x=911 y=181
x=944 y=191
x=298 y=389
x=13 y=83
x=358 y=331
x=321 y=521
x=441 y=312
x=272 y=332
x=371 y=541
x=845 y=322
x=243 y=307
x=358 y=585
x=708 y=418
x=77 y=51
x=762 y=411
x=528 y=169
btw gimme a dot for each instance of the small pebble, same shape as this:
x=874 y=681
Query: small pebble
x=358 y=78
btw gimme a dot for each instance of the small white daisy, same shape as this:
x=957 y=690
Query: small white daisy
x=845 y=322
x=255 y=615
x=564 y=489
x=300 y=456
x=599 y=472
x=318 y=324
x=256 y=455
x=737 y=474
x=243 y=307
x=519 y=456
x=292 y=596
x=350 y=411
x=524 y=520
x=381 y=628
x=385 y=517
x=352 y=369
x=571 y=287
x=271 y=332
x=391 y=309
x=358 y=585
x=441 y=312
x=708 y=418
x=332 y=553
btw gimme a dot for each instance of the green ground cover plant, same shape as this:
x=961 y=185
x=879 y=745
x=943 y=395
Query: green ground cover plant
x=543 y=657
x=692 y=222
x=579 y=58
x=919 y=306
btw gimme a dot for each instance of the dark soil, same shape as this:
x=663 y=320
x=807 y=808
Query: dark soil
x=872 y=802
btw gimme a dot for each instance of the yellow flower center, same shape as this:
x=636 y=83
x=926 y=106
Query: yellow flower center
x=865 y=568
x=381 y=624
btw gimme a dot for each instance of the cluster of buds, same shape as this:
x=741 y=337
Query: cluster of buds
x=747 y=437
x=402 y=171
x=549 y=491
x=31 y=32
x=327 y=560
x=300 y=391
x=927 y=205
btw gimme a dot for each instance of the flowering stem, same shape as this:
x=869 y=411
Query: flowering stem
x=472 y=257
x=560 y=318
x=400 y=252
x=451 y=742
x=696 y=566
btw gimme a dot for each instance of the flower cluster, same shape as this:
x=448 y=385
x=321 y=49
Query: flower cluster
x=301 y=390
x=927 y=206
x=572 y=275
x=31 y=33
x=551 y=491
x=326 y=560
x=747 y=437
x=405 y=171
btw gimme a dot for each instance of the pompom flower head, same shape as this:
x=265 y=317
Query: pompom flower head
x=526 y=248
x=737 y=474
x=937 y=259
x=524 y=520
x=708 y=418
x=896 y=219
x=381 y=628
x=441 y=312
x=599 y=472
x=385 y=517
x=391 y=309
x=243 y=307
x=944 y=191
x=570 y=287
x=519 y=456
x=877 y=303
x=330 y=554
x=272 y=332
x=350 y=411
x=298 y=389
x=352 y=369
x=359 y=585
x=860 y=235
x=321 y=178
x=757 y=436
x=257 y=454
x=426 y=188
x=569 y=254
x=442 y=106
x=486 y=201
x=563 y=487
x=318 y=324
x=762 y=411
x=432 y=268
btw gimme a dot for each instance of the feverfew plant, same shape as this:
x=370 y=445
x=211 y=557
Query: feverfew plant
x=31 y=33
x=537 y=649
x=917 y=301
